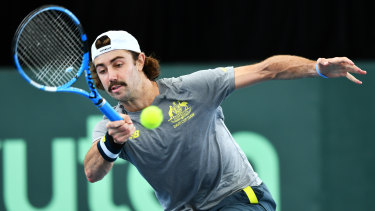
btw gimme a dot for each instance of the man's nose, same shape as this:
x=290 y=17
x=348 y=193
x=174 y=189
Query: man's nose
x=112 y=75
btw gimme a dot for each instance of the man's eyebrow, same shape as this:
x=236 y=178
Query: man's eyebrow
x=117 y=57
x=112 y=60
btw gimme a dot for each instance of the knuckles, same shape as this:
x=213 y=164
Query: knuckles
x=122 y=133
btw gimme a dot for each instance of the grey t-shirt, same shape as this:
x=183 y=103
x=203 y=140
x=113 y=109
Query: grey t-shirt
x=191 y=160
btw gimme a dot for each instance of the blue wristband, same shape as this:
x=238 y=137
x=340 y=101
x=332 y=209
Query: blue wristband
x=317 y=70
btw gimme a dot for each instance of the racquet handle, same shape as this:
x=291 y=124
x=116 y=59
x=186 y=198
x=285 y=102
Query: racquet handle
x=109 y=112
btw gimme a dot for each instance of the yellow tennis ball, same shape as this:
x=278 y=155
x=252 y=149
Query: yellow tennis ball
x=151 y=117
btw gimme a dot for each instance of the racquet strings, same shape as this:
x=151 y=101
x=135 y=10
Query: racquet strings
x=49 y=48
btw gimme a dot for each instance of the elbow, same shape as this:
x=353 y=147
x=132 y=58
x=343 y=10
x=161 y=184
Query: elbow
x=95 y=167
x=91 y=176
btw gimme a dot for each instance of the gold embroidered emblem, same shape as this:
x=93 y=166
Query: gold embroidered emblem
x=179 y=113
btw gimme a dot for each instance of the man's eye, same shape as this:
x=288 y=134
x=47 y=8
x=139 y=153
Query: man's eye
x=100 y=71
x=118 y=65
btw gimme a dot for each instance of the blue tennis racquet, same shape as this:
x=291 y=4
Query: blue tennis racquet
x=50 y=52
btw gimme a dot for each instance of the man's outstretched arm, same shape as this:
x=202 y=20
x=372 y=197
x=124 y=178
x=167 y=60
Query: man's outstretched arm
x=293 y=67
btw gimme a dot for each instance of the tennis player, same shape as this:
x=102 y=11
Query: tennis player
x=191 y=160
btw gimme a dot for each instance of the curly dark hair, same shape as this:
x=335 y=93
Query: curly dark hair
x=151 y=67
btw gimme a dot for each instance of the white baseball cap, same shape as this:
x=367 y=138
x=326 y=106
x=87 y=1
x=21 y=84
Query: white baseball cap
x=119 y=40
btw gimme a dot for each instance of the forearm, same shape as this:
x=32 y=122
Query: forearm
x=95 y=165
x=288 y=67
x=101 y=156
x=275 y=67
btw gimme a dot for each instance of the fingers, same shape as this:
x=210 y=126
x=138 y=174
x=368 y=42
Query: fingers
x=339 y=67
x=335 y=60
x=121 y=137
x=116 y=124
x=126 y=118
x=121 y=130
x=358 y=70
x=352 y=78
x=355 y=69
x=342 y=60
x=352 y=68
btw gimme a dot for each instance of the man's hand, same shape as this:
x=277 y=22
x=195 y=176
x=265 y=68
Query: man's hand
x=121 y=130
x=339 y=67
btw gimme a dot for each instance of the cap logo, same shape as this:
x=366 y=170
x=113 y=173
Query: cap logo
x=102 y=41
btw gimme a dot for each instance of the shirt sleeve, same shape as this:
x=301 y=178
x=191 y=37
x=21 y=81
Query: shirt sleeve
x=210 y=86
x=100 y=128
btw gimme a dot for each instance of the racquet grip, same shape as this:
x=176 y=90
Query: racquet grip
x=109 y=112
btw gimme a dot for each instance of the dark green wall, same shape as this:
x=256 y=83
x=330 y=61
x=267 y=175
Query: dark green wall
x=321 y=129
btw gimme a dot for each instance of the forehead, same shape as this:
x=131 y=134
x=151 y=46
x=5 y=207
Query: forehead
x=108 y=56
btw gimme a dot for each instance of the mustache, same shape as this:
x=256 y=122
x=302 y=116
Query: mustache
x=116 y=83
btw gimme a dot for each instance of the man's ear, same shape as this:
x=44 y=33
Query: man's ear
x=140 y=61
